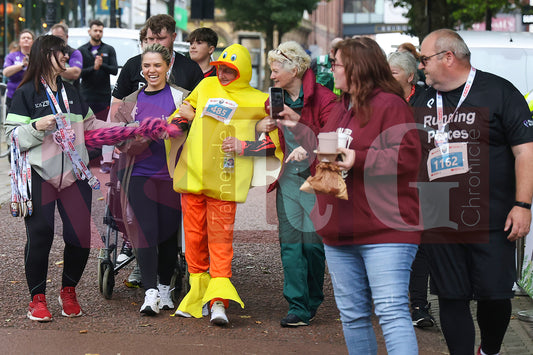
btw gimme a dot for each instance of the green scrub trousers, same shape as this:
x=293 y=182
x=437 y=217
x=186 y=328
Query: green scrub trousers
x=302 y=251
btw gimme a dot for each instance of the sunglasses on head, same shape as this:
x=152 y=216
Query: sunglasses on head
x=277 y=51
x=63 y=50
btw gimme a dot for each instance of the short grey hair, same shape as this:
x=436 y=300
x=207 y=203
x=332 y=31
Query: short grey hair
x=291 y=56
x=449 y=40
x=62 y=26
x=406 y=61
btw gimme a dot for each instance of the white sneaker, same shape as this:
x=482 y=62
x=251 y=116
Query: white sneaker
x=165 y=301
x=150 y=306
x=125 y=253
x=182 y=314
x=218 y=314
x=205 y=312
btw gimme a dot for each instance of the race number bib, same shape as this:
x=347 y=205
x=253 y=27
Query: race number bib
x=453 y=162
x=220 y=109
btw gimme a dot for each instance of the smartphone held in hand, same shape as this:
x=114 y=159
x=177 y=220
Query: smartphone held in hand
x=276 y=97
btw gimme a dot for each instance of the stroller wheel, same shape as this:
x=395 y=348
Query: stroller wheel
x=101 y=261
x=108 y=279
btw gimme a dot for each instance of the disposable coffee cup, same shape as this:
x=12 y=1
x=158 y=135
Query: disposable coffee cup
x=343 y=140
x=328 y=142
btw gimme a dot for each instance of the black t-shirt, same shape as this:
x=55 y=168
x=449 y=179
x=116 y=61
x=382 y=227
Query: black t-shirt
x=185 y=73
x=95 y=84
x=493 y=118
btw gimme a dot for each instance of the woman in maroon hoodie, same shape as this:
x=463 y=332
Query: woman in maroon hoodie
x=371 y=239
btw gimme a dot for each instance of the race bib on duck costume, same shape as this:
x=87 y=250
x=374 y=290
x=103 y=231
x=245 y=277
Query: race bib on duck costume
x=212 y=182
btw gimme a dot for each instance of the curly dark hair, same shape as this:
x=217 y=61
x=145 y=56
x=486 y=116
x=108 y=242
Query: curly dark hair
x=157 y=23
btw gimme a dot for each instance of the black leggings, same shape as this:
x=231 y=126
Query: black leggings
x=74 y=206
x=157 y=211
x=158 y=261
x=493 y=317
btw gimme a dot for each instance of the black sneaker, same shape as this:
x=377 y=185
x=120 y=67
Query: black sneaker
x=421 y=317
x=292 y=321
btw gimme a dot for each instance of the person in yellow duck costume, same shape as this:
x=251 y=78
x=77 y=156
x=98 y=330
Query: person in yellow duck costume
x=211 y=182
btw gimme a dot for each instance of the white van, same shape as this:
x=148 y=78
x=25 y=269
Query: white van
x=125 y=41
x=507 y=54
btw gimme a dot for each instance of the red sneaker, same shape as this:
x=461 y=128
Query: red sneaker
x=69 y=304
x=38 y=310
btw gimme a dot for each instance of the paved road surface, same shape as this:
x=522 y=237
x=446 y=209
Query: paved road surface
x=114 y=326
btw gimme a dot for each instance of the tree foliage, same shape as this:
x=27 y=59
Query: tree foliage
x=429 y=15
x=266 y=16
x=282 y=15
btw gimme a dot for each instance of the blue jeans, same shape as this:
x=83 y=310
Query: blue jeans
x=378 y=272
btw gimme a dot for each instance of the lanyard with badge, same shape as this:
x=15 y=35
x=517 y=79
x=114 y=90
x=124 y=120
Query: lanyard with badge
x=21 y=204
x=64 y=137
x=448 y=158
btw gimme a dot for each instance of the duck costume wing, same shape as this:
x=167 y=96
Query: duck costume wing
x=221 y=111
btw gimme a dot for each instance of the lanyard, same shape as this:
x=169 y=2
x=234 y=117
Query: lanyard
x=408 y=98
x=53 y=98
x=171 y=65
x=64 y=137
x=21 y=204
x=441 y=138
x=466 y=90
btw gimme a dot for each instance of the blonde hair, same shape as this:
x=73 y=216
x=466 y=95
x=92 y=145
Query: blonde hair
x=157 y=48
x=291 y=56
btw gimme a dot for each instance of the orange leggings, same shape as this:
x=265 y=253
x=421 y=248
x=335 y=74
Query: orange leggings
x=208 y=225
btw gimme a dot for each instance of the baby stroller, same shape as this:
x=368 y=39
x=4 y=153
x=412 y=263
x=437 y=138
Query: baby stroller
x=114 y=221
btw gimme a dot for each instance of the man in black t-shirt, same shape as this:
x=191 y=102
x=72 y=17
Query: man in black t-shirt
x=475 y=189
x=99 y=63
x=184 y=73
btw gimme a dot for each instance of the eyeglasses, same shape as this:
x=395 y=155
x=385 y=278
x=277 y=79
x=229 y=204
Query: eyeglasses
x=335 y=65
x=277 y=51
x=424 y=59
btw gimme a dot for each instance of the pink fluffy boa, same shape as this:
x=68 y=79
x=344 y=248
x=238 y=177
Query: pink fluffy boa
x=152 y=128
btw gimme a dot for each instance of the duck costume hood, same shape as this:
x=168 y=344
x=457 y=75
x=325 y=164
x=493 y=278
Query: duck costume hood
x=237 y=58
x=221 y=111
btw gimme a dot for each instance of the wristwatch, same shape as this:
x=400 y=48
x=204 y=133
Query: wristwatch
x=523 y=204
